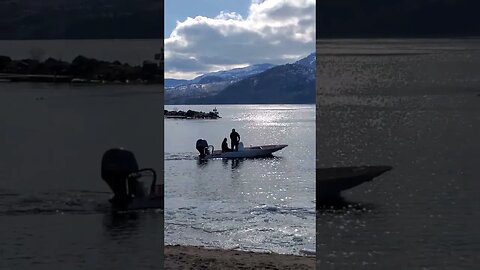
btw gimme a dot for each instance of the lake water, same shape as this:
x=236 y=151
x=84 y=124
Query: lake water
x=132 y=51
x=265 y=204
x=414 y=105
x=53 y=203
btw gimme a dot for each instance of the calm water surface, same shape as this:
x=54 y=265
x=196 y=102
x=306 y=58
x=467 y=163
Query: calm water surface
x=256 y=204
x=54 y=206
x=415 y=105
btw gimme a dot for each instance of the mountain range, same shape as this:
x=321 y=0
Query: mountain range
x=256 y=84
x=219 y=76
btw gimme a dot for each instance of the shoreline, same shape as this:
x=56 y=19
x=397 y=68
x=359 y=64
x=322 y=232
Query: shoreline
x=66 y=79
x=80 y=70
x=191 y=257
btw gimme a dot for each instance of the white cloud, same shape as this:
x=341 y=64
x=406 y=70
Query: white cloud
x=275 y=31
x=225 y=15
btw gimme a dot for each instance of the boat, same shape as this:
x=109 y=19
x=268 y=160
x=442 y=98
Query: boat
x=208 y=151
x=247 y=152
x=122 y=174
x=332 y=181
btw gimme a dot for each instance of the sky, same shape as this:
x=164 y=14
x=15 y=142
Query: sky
x=209 y=35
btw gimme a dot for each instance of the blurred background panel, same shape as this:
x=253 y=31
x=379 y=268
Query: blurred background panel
x=81 y=19
x=76 y=79
x=397 y=18
x=397 y=85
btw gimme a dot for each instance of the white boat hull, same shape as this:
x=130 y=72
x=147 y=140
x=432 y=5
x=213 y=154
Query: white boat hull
x=248 y=152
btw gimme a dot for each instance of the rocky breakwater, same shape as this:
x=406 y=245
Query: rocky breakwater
x=191 y=114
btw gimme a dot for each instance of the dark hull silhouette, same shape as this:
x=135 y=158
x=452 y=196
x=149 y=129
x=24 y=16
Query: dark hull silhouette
x=332 y=181
x=151 y=202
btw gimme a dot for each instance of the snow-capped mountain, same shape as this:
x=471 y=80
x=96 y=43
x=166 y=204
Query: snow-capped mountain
x=233 y=74
x=170 y=83
x=309 y=61
x=289 y=83
x=220 y=76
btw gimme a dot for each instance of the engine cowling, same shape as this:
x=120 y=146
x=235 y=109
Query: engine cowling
x=202 y=147
x=117 y=165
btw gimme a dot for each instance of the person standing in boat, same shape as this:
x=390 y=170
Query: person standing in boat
x=235 y=138
x=225 y=146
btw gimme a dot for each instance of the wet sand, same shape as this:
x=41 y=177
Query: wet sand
x=183 y=257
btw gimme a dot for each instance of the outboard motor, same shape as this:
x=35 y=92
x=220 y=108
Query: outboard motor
x=117 y=166
x=202 y=147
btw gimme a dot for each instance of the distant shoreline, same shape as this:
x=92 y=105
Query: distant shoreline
x=81 y=70
x=190 y=257
x=45 y=78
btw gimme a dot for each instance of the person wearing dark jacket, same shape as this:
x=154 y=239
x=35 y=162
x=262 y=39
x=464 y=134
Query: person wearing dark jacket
x=235 y=139
x=225 y=146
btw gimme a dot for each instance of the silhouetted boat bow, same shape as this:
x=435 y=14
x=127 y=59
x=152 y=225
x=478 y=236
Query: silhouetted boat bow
x=332 y=181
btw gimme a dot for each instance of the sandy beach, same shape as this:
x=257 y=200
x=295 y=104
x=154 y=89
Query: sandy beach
x=183 y=257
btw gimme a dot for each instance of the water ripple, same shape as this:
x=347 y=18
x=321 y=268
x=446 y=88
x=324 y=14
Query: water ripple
x=78 y=202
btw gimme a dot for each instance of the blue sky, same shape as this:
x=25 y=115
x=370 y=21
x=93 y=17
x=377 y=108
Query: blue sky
x=213 y=35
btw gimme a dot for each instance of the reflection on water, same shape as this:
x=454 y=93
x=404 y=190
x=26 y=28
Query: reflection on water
x=202 y=162
x=128 y=224
x=339 y=205
x=419 y=114
x=121 y=224
x=235 y=164
x=262 y=204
